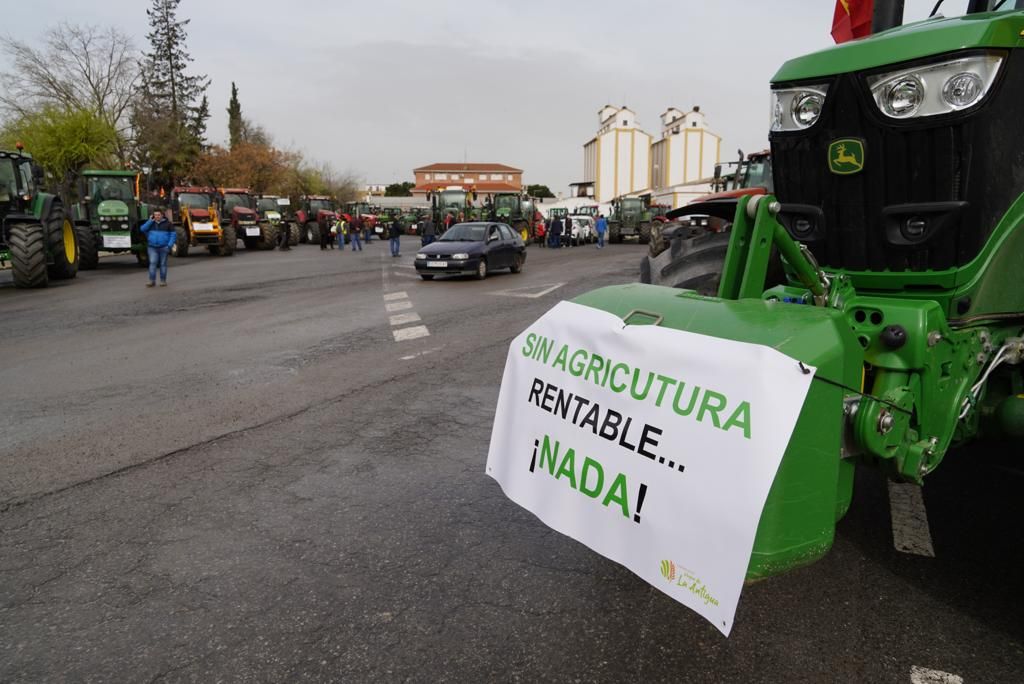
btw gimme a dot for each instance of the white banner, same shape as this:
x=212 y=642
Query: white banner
x=198 y=225
x=654 y=447
x=117 y=241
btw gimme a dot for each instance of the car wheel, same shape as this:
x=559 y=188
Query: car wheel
x=481 y=269
x=517 y=264
x=426 y=276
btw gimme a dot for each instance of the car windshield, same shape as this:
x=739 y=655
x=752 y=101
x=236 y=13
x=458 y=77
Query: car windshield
x=232 y=200
x=194 y=200
x=465 y=232
x=112 y=189
x=267 y=204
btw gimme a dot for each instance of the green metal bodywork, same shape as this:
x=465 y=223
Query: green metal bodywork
x=911 y=41
x=111 y=217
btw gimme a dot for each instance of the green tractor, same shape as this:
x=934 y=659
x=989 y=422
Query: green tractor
x=454 y=203
x=898 y=223
x=515 y=209
x=36 y=237
x=272 y=209
x=108 y=215
x=630 y=216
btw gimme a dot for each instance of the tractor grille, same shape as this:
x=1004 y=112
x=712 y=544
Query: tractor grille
x=972 y=164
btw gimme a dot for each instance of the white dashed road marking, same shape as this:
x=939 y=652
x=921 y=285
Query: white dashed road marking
x=922 y=675
x=398 y=306
x=422 y=353
x=910 y=533
x=399 y=301
x=402 y=334
x=404 y=318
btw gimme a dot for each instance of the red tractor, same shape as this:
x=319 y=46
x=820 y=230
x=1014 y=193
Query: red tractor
x=316 y=213
x=238 y=208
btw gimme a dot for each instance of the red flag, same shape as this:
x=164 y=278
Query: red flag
x=852 y=19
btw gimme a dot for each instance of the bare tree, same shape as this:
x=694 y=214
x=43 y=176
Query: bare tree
x=78 y=67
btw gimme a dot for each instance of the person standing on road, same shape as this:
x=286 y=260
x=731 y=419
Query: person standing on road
x=160 y=237
x=601 y=227
x=427 y=234
x=568 y=231
x=555 y=233
x=284 y=236
x=325 y=234
x=395 y=236
x=357 y=228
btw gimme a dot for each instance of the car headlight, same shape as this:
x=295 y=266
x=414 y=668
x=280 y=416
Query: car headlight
x=932 y=89
x=794 y=109
x=461 y=255
x=421 y=256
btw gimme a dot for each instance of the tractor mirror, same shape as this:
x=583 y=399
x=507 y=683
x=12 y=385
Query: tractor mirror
x=37 y=173
x=718 y=171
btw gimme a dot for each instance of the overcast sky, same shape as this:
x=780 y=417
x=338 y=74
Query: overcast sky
x=378 y=88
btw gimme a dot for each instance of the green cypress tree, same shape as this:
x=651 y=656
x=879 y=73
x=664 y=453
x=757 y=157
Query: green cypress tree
x=234 y=118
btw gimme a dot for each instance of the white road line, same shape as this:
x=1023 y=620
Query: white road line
x=392 y=296
x=414 y=276
x=398 y=306
x=422 y=353
x=405 y=318
x=922 y=675
x=416 y=331
x=405 y=266
x=529 y=292
x=910 y=533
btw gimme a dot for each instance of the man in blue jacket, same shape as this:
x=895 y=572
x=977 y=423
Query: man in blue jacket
x=160 y=237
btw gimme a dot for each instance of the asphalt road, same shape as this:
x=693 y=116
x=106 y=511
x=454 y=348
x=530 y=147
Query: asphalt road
x=246 y=476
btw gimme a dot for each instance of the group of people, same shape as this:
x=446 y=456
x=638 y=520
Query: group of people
x=558 y=234
x=356 y=232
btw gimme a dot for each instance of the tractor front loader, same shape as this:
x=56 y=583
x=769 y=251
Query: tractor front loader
x=36 y=236
x=196 y=212
x=889 y=258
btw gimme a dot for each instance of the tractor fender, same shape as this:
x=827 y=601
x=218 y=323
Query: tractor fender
x=48 y=203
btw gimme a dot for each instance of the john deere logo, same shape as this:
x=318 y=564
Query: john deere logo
x=846 y=156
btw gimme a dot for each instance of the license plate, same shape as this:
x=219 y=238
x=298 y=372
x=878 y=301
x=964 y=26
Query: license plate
x=250 y=232
x=117 y=241
x=378 y=229
x=437 y=264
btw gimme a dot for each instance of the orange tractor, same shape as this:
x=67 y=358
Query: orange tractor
x=196 y=214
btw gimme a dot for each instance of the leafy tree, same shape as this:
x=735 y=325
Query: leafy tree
x=399 y=189
x=539 y=191
x=78 y=68
x=64 y=141
x=234 y=118
x=170 y=118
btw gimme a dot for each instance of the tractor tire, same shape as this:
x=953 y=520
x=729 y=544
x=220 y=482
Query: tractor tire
x=180 y=248
x=311 y=233
x=28 y=255
x=230 y=238
x=268 y=236
x=293 y=234
x=62 y=243
x=689 y=264
x=645 y=233
x=88 y=249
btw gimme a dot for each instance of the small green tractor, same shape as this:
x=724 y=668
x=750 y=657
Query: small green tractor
x=36 y=237
x=108 y=215
x=896 y=229
x=448 y=207
x=630 y=217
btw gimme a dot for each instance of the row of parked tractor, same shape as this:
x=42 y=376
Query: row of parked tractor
x=44 y=236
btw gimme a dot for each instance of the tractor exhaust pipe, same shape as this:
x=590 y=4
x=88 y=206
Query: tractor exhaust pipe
x=888 y=14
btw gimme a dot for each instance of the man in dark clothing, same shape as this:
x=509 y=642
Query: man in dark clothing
x=555 y=233
x=356 y=233
x=283 y=236
x=325 y=234
x=568 y=231
x=427 y=235
x=395 y=236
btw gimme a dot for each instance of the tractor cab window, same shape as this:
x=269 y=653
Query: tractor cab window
x=8 y=181
x=267 y=205
x=194 y=200
x=27 y=185
x=232 y=200
x=758 y=175
x=315 y=206
x=631 y=204
x=111 y=189
x=506 y=202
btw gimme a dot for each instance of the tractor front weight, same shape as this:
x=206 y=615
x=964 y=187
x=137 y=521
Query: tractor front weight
x=926 y=383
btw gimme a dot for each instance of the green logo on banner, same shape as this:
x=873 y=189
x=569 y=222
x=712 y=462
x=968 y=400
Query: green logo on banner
x=846 y=156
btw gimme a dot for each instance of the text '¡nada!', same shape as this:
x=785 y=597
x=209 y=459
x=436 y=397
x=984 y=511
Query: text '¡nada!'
x=704 y=405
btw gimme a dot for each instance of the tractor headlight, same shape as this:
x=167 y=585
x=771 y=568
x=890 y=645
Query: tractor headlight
x=933 y=89
x=794 y=109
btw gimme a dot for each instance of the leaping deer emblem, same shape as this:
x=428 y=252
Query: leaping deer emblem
x=843 y=158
